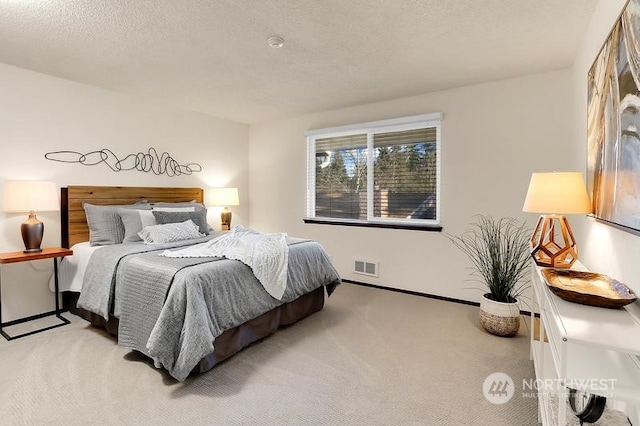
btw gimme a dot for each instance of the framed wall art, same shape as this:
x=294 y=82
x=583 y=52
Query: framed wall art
x=613 y=124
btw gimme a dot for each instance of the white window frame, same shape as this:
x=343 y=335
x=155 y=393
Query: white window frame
x=432 y=120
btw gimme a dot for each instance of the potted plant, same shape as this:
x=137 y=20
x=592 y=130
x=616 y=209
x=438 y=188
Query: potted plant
x=499 y=252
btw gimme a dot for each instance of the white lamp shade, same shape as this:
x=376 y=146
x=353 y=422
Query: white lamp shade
x=557 y=193
x=30 y=195
x=224 y=197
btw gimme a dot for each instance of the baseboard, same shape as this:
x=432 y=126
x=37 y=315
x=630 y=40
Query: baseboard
x=428 y=295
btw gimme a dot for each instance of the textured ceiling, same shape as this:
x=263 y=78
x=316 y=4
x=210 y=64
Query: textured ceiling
x=212 y=56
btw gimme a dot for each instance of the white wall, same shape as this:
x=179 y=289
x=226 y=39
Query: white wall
x=603 y=248
x=493 y=137
x=40 y=114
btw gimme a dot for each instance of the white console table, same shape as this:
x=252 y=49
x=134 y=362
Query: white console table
x=595 y=347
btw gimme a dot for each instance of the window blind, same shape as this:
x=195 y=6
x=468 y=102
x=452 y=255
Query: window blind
x=379 y=172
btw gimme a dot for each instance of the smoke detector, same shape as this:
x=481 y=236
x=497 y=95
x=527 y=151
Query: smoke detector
x=275 y=42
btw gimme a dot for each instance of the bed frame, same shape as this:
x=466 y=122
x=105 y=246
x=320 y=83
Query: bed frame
x=75 y=230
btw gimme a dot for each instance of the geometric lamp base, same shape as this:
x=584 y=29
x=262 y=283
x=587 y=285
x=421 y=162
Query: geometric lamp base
x=552 y=247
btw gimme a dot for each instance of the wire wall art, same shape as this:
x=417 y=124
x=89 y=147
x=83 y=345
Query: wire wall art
x=150 y=161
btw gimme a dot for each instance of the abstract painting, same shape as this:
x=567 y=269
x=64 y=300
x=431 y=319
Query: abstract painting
x=613 y=124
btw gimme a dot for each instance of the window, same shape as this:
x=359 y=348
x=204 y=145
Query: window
x=380 y=173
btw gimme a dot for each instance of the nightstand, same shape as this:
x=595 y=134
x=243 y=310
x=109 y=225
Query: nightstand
x=19 y=256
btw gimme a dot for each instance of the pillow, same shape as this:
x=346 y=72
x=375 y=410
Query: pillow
x=199 y=217
x=184 y=204
x=174 y=209
x=105 y=225
x=170 y=232
x=134 y=221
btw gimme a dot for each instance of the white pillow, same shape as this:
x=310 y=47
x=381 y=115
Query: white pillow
x=170 y=232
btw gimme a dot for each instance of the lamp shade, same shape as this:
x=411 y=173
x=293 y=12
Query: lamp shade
x=224 y=197
x=557 y=193
x=30 y=195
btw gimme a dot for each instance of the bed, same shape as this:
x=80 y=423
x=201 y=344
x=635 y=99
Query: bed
x=205 y=309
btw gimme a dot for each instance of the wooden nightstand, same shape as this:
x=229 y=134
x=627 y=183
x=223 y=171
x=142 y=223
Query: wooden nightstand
x=19 y=256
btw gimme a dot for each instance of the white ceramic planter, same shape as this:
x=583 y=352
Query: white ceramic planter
x=501 y=319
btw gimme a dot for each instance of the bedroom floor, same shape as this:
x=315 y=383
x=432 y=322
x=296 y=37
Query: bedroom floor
x=369 y=357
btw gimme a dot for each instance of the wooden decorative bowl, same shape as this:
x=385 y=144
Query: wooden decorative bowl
x=588 y=288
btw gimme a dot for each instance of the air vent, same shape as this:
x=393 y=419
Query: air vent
x=365 y=267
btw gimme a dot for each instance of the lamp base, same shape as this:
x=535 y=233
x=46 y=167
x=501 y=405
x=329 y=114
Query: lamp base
x=225 y=218
x=35 y=250
x=550 y=248
x=32 y=231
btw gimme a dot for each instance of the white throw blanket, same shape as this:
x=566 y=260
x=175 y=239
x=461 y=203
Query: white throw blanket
x=266 y=254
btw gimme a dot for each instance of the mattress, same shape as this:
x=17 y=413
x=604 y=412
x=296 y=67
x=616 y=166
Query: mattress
x=71 y=269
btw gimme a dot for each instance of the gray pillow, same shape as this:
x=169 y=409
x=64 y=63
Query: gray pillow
x=170 y=232
x=184 y=204
x=199 y=217
x=134 y=221
x=105 y=224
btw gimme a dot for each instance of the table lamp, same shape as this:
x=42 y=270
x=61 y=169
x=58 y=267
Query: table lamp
x=555 y=195
x=30 y=196
x=225 y=197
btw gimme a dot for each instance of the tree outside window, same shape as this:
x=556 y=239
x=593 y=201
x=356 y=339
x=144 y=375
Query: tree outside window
x=401 y=162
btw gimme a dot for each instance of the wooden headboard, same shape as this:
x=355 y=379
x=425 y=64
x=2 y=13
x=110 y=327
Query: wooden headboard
x=74 y=221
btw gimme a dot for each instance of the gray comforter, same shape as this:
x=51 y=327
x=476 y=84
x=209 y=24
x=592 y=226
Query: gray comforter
x=172 y=309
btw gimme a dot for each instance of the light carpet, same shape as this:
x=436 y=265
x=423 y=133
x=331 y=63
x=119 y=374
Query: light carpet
x=370 y=357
